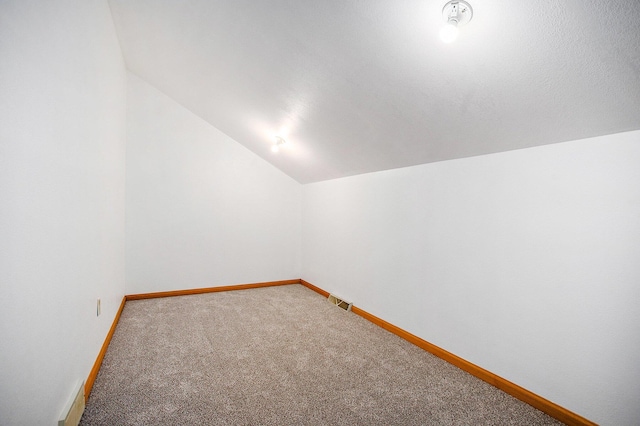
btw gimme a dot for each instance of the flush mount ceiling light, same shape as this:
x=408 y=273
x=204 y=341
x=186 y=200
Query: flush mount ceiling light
x=278 y=142
x=455 y=13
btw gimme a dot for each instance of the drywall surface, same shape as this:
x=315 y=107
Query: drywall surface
x=524 y=263
x=202 y=210
x=62 y=165
x=369 y=86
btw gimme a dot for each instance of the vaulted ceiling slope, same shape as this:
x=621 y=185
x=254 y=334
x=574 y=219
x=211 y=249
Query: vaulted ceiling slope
x=360 y=86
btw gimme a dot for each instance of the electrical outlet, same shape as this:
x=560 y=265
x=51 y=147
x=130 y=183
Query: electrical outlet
x=98 y=309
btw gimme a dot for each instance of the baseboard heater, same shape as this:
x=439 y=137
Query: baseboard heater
x=335 y=300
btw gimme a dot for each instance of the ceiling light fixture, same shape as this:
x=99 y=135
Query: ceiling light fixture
x=278 y=142
x=455 y=13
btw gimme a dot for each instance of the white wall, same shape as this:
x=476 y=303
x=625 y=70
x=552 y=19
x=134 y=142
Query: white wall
x=526 y=263
x=62 y=148
x=202 y=210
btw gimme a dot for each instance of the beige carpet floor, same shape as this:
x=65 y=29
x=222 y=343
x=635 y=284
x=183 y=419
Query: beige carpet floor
x=280 y=356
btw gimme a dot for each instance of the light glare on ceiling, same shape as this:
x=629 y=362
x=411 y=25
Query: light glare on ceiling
x=278 y=142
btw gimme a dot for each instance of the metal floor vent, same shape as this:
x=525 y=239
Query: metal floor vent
x=335 y=300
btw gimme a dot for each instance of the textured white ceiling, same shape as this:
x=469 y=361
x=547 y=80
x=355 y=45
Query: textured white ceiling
x=367 y=85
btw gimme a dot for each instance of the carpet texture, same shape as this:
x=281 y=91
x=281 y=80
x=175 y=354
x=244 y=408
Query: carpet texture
x=280 y=356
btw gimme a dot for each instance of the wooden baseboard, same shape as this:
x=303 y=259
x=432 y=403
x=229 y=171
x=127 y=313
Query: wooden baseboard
x=88 y=385
x=314 y=288
x=536 y=401
x=209 y=289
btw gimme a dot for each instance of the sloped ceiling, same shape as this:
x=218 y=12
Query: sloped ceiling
x=362 y=86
